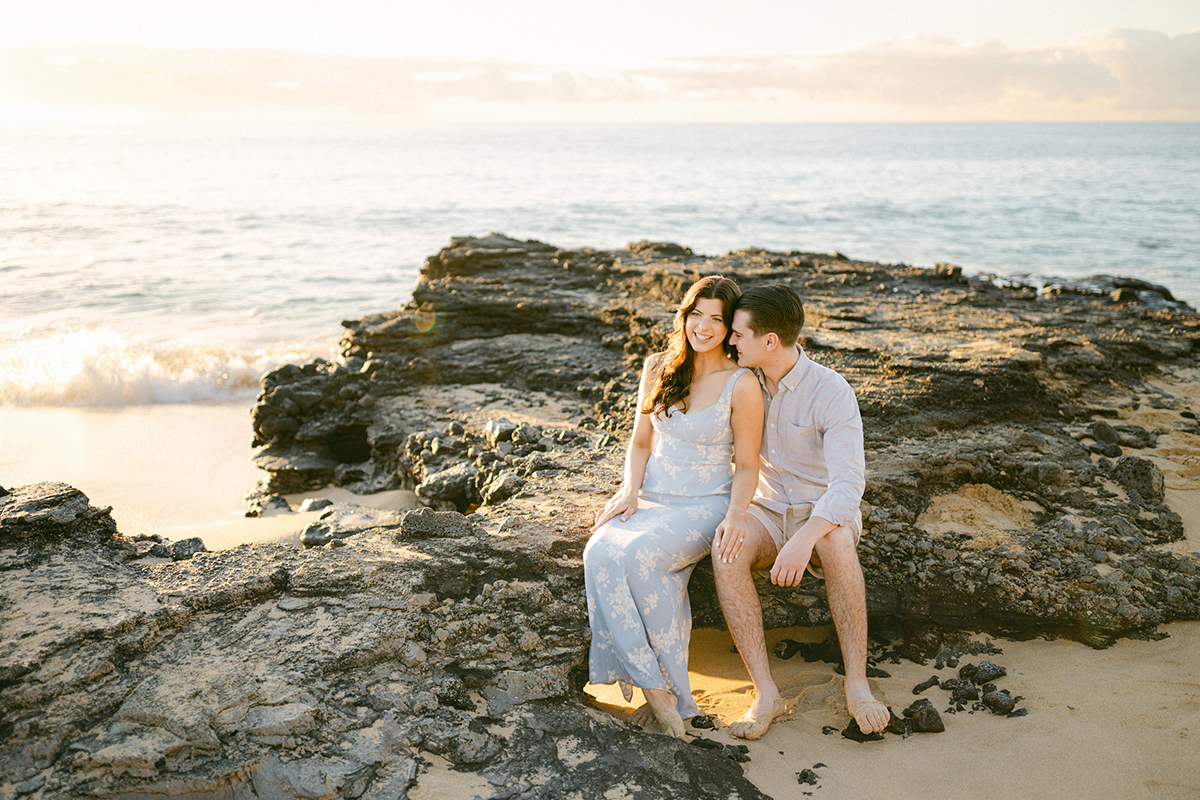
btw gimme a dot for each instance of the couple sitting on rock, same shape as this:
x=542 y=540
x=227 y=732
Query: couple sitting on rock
x=763 y=469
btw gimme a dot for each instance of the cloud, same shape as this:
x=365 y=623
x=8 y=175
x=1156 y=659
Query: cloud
x=1156 y=72
x=1115 y=72
x=1111 y=74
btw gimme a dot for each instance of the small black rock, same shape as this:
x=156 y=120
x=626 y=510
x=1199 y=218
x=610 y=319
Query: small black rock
x=707 y=744
x=738 y=752
x=898 y=725
x=854 y=733
x=786 y=648
x=923 y=685
x=924 y=717
x=999 y=702
x=968 y=672
x=989 y=672
x=703 y=722
x=965 y=692
x=828 y=729
x=807 y=776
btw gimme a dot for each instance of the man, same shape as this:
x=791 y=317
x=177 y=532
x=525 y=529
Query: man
x=805 y=514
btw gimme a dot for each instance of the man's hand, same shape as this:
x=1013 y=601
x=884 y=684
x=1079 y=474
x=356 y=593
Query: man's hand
x=792 y=560
x=624 y=502
x=731 y=536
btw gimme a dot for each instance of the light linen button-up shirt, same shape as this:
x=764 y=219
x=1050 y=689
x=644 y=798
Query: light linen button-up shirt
x=812 y=447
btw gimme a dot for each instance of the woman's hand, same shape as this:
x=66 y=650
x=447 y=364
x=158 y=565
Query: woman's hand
x=731 y=536
x=624 y=502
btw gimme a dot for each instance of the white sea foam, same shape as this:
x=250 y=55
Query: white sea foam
x=100 y=367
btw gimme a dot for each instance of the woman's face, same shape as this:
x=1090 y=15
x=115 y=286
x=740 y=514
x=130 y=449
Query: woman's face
x=705 y=326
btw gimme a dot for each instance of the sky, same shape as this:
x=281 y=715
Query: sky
x=618 y=61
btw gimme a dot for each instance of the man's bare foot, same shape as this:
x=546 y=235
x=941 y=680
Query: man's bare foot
x=662 y=705
x=870 y=714
x=642 y=716
x=757 y=719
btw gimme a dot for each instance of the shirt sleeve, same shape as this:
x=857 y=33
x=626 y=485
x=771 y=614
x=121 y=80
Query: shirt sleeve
x=844 y=459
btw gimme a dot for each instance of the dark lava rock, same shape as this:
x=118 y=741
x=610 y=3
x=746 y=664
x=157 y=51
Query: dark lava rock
x=706 y=744
x=186 y=548
x=1011 y=412
x=315 y=534
x=966 y=692
x=924 y=717
x=703 y=722
x=999 y=702
x=855 y=733
x=807 y=777
x=1140 y=475
x=502 y=487
x=739 y=753
x=315 y=504
x=292 y=654
x=926 y=684
x=1104 y=433
x=428 y=524
x=901 y=726
x=454 y=485
x=988 y=672
x=969 y=672
x=786 y=648
x=499 y=430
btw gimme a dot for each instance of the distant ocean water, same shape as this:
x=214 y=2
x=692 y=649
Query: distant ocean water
x=175 y=265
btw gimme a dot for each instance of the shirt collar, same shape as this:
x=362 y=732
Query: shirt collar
x=792 y=379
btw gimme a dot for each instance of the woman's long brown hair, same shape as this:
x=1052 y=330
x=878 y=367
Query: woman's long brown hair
x=679 y=367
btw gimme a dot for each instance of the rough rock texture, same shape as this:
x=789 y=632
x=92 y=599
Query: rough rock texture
x=990 y=411
x=1000 y=496
x=331 y=672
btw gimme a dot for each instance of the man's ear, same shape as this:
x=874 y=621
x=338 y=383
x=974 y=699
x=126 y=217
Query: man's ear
x=772 y=341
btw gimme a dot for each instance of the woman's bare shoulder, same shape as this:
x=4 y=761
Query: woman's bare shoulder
x=747 y=386
x=654 y=362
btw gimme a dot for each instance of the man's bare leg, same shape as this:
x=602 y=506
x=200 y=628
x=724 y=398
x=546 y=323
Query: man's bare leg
x=743 y=615
x=848 y=606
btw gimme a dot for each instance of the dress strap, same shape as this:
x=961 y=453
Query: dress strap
x=728 y=393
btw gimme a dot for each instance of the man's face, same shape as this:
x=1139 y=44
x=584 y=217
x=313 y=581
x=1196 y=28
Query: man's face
x=752 y=350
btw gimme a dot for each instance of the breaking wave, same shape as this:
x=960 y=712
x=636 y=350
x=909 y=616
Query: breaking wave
x=100 y=367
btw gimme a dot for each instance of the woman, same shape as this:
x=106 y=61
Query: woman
x=690 y=469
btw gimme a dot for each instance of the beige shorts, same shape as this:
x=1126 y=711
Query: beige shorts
x=782 y=527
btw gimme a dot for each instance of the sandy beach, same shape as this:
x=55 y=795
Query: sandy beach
x=1117 y=723
x=176 y=471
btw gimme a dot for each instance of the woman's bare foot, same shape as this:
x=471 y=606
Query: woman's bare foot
x=662 y=704
x=758 y=718
x=642 y=716
x=870 y=714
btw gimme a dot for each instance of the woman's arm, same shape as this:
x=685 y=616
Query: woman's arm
x=746 y=419
x=624 y=502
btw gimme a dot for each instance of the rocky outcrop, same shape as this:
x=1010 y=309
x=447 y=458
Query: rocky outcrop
x=1019 y=443
x=345 y=671
x=975 y=392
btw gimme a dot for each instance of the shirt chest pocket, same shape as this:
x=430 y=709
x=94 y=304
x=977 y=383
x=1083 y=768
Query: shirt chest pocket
x=800 y=449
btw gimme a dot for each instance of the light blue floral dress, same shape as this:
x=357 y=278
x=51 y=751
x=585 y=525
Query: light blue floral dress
x=637 y=571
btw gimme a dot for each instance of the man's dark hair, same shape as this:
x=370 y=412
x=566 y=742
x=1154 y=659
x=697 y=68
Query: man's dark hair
x=774 y=308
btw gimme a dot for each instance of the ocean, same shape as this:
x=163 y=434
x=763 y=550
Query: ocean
x=149 y=276
x=175 y=264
